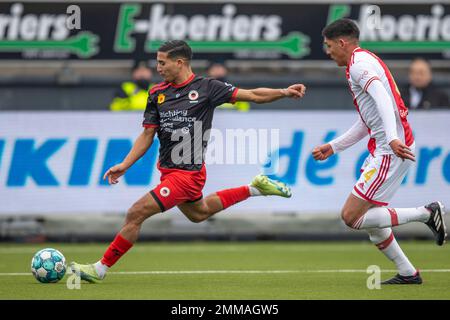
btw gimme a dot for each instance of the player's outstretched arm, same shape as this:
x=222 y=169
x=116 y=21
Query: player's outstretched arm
x=264 y=95
x=353 y=135
x=141 y=145
x=357 y=132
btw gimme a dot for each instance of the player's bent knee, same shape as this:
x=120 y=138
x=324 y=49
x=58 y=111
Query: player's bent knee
x=196 y=217
x=196 y=214
x=348 y=217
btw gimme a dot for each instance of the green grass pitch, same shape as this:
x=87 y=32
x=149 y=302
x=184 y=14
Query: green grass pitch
x=231 y=270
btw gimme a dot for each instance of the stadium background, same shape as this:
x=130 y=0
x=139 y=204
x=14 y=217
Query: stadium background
x=57 y=135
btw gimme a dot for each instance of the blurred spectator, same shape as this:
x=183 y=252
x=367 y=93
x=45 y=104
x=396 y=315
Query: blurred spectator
x=132 y=95
x=219 y=72
x=421 y=93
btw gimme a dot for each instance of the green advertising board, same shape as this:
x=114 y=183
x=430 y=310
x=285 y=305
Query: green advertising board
x=284 y=31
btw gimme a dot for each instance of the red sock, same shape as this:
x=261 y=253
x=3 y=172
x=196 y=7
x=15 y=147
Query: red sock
x=233 y=196
x=116 y=249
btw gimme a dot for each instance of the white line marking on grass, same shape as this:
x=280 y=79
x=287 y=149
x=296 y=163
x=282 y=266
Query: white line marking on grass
x=210 y=249
x=235 y=272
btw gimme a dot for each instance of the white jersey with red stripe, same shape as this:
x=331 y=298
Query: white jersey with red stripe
x=364 y=68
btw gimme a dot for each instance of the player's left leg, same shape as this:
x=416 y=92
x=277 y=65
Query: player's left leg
x=382 y=238
x=261 y=185
x=385 y=241
x=141 y=210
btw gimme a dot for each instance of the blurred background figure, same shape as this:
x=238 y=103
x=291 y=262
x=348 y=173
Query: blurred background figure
x=132 y=95
x=420 y=92
x=219 y=72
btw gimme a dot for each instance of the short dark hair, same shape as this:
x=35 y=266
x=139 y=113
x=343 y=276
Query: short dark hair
x=176 y=49
x=425 y=60
x=341 y=28
x=139 y=64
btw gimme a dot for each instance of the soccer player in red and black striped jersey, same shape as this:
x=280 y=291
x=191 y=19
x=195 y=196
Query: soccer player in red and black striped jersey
x=180 y=110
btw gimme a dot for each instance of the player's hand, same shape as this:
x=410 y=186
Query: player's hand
x=401 y=150
x=295 y=91
x=322 y=152
x=114 y=173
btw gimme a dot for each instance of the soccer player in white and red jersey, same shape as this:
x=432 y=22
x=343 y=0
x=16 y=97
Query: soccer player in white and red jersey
x=382 y=116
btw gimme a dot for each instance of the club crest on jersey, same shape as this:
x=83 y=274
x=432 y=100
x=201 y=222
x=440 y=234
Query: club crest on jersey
x=193 y=95
x=164 y=191
x=368 y=175
x=161 y=98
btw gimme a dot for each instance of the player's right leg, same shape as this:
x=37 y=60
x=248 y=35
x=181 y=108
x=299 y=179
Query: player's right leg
x=124 y=240
x=265 y=186
x=436 y=221
x=382 y=217
x=202 y=209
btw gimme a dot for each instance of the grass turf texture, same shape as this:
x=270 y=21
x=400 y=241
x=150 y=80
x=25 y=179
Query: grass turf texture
x=232 y=270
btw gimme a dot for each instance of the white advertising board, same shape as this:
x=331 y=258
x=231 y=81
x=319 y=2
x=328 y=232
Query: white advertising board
x=54 y=162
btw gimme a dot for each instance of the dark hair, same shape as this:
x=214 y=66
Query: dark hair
x=213 y=63
x=176 y=49
x=341 y=28
x=421 y=59
x=139 y=64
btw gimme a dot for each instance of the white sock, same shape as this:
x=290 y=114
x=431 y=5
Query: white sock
x=391 y=217
x=101 y=269
x=254 y=191
x=385 y=241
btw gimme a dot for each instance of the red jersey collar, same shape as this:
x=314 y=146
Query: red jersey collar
x=184 y=83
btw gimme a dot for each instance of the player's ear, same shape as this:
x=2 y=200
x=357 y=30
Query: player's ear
x=180 y=62
x=341 y=42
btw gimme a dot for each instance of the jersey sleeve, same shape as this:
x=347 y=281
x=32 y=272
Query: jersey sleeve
x=151 y=114
x=357 y=132
x=221 y=92
x=363 y=74
x=385 y=109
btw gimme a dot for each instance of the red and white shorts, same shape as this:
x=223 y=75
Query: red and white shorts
x=381 y=177
x=178 y=186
